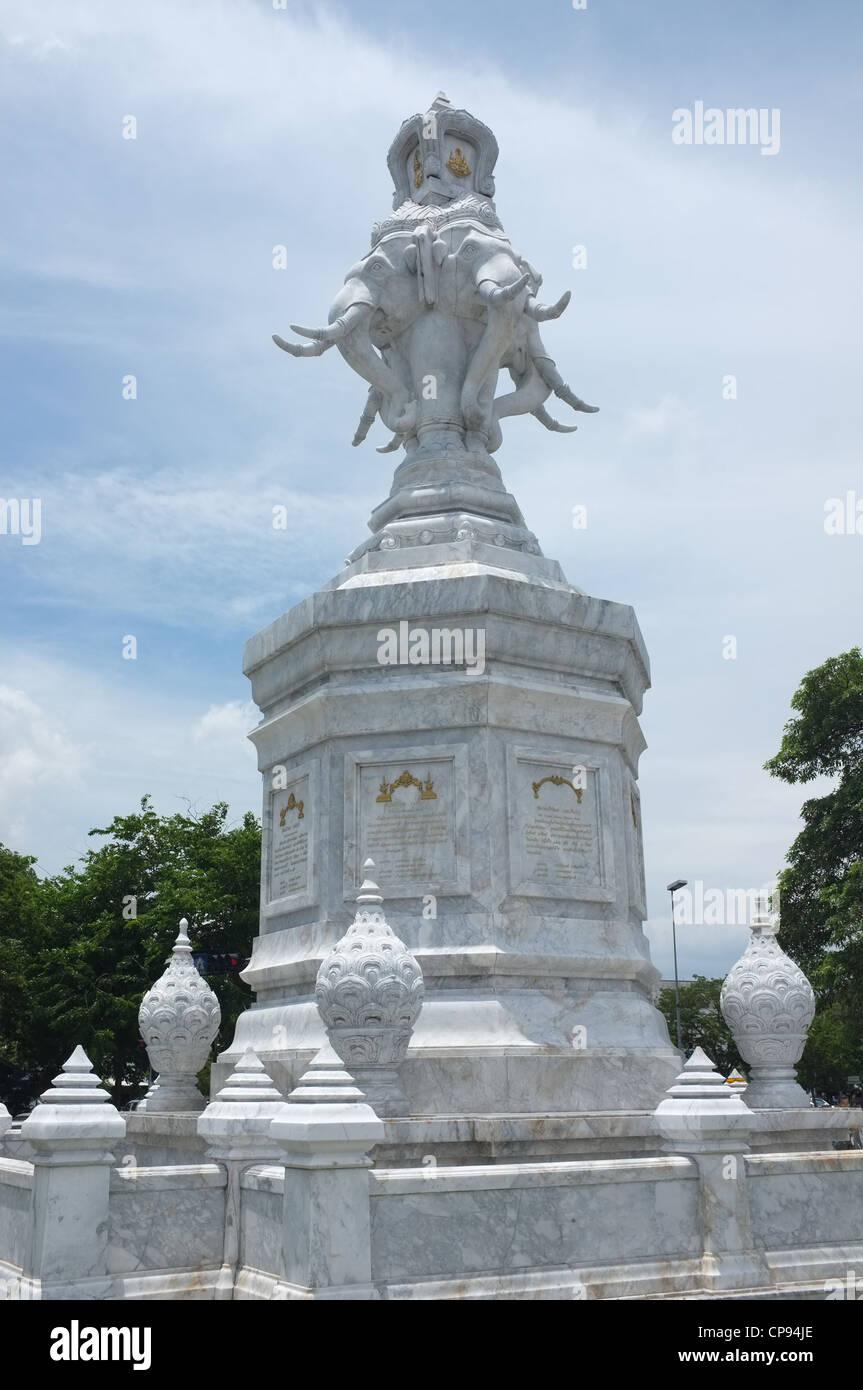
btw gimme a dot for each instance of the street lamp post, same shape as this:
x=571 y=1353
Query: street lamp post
x=672 y=888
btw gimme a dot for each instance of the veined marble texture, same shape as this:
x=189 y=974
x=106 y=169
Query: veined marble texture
x=506 y=837
x=16 y=1181
x=451 y=1223
x=166 y=1219
x=261 y=1237
x=806 y=1199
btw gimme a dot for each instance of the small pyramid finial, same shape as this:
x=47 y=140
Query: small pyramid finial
x=698 y=1061
x=78 y=1062
x=75 y=1112
x=369 y=891
x=76 y=1083
x=441 y=99
x=249 y=1080
x=699 y=1079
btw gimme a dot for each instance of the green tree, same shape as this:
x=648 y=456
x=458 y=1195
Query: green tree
x=833 y=1052
x=822 y=887
x=106 y=928
x=701 y=1022
x=20 y=899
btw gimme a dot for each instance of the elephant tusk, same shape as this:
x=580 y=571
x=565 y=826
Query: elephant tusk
x=296 y=350
x=339 y=329
x=550 y=423
x=564 y=393
x=541 y=312
x=394 y=444
x=555 y=382
x=502 y=294
x=320 y=335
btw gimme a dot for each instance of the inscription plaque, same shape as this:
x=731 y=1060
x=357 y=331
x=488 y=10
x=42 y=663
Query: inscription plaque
x=289 y=842
x=558 y=830
x=407 y=823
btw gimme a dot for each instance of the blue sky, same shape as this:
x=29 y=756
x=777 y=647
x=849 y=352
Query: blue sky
x=153 y=257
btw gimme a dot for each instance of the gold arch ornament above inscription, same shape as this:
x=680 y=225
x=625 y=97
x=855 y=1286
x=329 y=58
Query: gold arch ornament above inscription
x=292 y=805
x=407 y=779
x=557 y=782
x=418 y=170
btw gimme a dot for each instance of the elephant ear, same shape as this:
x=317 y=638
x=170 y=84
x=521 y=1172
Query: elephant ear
x=411 y=259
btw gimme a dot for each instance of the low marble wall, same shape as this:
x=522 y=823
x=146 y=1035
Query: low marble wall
x=166 y=1219
x=809 y=1199
x=606 y=1229
x=466 y=1223
x=261 y=1235
x=161 y=1139
x=16 y=1181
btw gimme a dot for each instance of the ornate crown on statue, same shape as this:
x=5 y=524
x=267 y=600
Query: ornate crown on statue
x=442 y=155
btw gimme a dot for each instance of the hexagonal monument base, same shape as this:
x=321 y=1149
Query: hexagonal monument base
x=468 y=719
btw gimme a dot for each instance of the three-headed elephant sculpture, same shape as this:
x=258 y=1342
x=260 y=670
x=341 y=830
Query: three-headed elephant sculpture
x=428 y=318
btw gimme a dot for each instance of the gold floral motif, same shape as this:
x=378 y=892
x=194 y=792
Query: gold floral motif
x=418 y=169
x=557 y=782
x=407 y=779
x=457 y=164
x=292 y=805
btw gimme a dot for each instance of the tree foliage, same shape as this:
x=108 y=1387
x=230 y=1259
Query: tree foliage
x=821 y=889
x=79 y=950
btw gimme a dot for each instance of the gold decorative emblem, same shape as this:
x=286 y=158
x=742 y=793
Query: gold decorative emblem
x=293 y=805
x=457 y=164
x=418 y=169
x=557 y=782
x=407 y=779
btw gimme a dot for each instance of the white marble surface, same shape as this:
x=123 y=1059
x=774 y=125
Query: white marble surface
x=71 y=1131
x=16 y=1182
x=534 y=1001
x=158 y=1221
x=768 y=1003
x=810 y=1199
x=179 y=1018
x=453 y=1222
x=236 y=1123
x=326 y=1228
x=261 y=1237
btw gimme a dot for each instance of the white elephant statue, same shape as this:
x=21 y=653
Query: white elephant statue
x=442 y=303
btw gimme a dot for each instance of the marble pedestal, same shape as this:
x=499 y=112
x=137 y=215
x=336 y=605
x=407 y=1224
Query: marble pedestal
x=498 y=799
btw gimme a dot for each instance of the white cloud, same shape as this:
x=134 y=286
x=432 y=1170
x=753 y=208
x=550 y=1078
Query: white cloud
x=670 y=418
x=36 y=745
x=39 y=763
x=76 y=749
x=227 y=723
